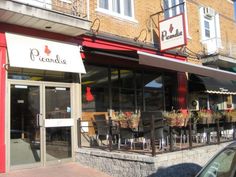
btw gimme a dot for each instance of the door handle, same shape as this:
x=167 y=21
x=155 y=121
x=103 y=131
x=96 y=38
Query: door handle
x=39 y=120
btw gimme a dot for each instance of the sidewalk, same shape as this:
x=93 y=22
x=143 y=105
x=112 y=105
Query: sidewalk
x=65 y=170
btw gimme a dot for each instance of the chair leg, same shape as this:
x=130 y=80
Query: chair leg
x=181 y=140
x=107 y=139
x=160 y=144
x=167 y=141
x=119 y=141
x=147 y=143
x=131 y=143
x=144 y=142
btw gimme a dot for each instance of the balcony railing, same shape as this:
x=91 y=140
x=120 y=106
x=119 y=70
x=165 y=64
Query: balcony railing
x=219 y=46
x=228 y=49
x=77 y=8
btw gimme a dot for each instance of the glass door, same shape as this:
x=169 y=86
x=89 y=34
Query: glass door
x=58 y=123
x=25 y=131
x=40 y=124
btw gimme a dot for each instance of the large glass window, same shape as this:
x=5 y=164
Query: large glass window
x=121 y=90
x=153 y=92
x=234 y=101
x=95 y=89
x=121 y=8
x=41 y=75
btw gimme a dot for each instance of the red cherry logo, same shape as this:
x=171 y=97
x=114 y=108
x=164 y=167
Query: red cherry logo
x=47 y=50
x=171 y=28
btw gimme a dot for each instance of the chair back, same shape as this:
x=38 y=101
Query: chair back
x=146 y=119
x=101 y=124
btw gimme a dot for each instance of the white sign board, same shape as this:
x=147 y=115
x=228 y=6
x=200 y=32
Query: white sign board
x=172 y=32
x=34 y=53
x=59 y=122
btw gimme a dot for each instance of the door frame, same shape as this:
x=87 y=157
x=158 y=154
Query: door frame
x=42 y=85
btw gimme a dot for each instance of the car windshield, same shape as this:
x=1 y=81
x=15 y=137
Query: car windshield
x=223 y=165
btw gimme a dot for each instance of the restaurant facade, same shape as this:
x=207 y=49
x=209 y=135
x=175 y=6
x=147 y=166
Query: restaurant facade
x=42 y=99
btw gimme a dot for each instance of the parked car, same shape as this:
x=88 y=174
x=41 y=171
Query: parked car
x=223 y=164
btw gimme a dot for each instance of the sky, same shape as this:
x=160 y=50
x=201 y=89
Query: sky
x=235 y=10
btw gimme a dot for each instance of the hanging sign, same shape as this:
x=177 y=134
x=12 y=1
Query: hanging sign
x=35 y=53
x=172 y=32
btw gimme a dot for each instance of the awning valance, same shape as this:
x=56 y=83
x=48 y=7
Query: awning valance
x=35 y=53
x=182 y=66
x=212 y=85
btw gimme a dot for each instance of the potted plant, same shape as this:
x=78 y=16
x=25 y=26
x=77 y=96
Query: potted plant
x=208 y=116
x=229 y=115
x=121 y=119
x=177 y=118
x=127 y=119
x=134 y=119
x=204 y=116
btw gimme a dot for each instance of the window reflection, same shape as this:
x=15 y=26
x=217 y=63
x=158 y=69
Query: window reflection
x=127 y=79
x=153 y=92
x=95 y=89
x=129 y=90
x=156 y=83
x=41 y=75
x=58 y=103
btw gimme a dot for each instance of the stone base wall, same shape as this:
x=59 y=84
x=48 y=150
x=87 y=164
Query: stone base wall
x=184 y=163
x=117 y=164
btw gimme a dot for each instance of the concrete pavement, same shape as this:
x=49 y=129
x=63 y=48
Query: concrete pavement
x=64 y=170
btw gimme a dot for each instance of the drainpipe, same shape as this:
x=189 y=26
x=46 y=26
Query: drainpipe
x=88 y=15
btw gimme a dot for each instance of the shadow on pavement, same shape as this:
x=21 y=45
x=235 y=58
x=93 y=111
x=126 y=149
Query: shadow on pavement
x=179 y=170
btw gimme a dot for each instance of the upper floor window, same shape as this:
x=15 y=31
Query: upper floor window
x=120 y=8
x=207 y=28
x=210 y=30
x=173 y=7
x=103 y=4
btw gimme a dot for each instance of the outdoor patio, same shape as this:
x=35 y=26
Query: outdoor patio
x=156 y=132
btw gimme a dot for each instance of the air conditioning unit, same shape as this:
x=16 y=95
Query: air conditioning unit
x=194 y=104
x=210 y=48
x=208 y=12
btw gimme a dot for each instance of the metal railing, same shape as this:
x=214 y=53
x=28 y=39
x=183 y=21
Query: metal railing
x=172 y=138
x=76 y=8
x=219 y=46
x=228 y=49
